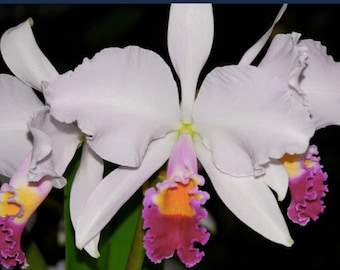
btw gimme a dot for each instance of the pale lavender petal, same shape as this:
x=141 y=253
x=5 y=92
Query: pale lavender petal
x=286 y=59
x=245 y=116
x=18 y=103
x=55 y=144
x=190 y=36
x=117 y=187
x=23 y=56
x=252 y=52
x=122 y=99
x=276 y=177
x=88 y=176
x=321 y=84
x=249 y=198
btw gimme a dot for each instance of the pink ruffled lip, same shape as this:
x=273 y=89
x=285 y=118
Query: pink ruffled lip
x=18 y=200
x=172 y=211
x=10 y=236
x=306 y=185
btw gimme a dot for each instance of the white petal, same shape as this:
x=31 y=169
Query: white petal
x=87 y=178
x=190 y=36
x=17 y=105
x=249 y=199
x=122 y=99
x=23 y=56
x=286 y=59
x=54 y=146
x=276 y=177
x=246 y=116
x=321 y=82
x=117 y=187
x=250 y=55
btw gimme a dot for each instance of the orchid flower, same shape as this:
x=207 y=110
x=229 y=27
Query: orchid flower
x=24 y=118
x=55 y=143
x=18 y=199
x=318 y=91
x=125 y=100
x=27 y=62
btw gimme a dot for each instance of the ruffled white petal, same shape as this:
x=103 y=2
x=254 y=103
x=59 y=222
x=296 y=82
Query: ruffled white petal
x=18 y=103
x=87 y=178
x=249 y=199
x=276 y=177
x=245 y=116
x=54 y=146
x=190 y=36
x=252 y=52
x=122 y=99
x=321 y=83
x=23 y=56
x=286 y=59
x=117 y=187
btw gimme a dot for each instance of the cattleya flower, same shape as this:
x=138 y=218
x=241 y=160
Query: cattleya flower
x=242 y=122
x=24 y=118
x=25 y=59
x=318 y=91
x=54 y=142
x=18 y=199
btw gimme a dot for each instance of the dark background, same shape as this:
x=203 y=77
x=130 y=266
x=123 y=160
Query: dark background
x=68 y=33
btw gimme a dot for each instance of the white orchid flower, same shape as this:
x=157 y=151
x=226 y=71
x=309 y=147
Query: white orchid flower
x=244 y=118
x=24 y=119
x=318 y=89
x=24 y=58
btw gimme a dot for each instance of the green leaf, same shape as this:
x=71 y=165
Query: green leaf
x=35 y=258
x=126 y=243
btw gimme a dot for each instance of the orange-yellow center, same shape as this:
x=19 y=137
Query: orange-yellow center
x=293 y=164
x=8 y=208
x=26 y=196
x=176 y=200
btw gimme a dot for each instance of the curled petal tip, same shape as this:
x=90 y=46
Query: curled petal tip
x=290 y=242
x=93 y=253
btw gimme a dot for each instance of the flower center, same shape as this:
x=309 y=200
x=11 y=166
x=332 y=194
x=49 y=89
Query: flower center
x=177 y=200
x=187 y=127
x=7 y=207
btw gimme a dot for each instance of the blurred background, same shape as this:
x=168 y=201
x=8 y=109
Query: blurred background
x=68 y=33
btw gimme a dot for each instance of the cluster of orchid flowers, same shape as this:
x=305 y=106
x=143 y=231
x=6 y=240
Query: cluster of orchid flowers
x=249 y=127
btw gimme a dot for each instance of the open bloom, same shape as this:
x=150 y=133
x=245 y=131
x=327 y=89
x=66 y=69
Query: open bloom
x=318 y=90
x=24 y=58
x=24 y=118
x=18 y=200
x=126 y=102
x=54 y=142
